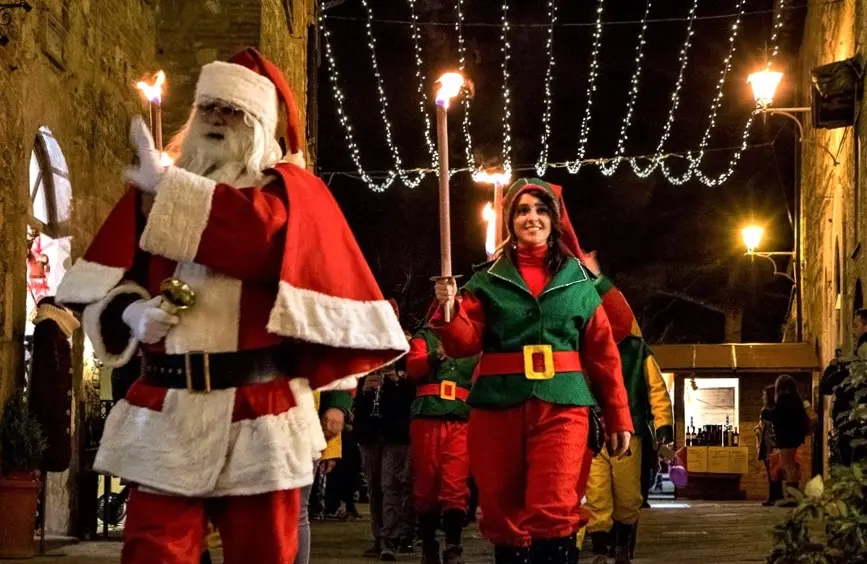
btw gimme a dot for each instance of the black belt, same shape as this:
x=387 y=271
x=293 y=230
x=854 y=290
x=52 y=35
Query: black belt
x=203 y=372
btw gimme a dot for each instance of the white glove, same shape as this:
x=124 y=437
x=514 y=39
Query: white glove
x=147 y=321
x=147 y=175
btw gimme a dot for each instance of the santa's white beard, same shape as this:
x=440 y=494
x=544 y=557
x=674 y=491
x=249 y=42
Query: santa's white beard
x=240 y=156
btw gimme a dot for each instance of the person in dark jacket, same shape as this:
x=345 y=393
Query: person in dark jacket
x=766 y=445
x=791 y=425
x=382 y=418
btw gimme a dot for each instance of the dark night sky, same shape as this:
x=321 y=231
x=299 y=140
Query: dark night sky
x=674 y=250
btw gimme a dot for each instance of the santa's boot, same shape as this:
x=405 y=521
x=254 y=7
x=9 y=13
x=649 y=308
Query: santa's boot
x=600 y=547
x=453 y=525
x=563 y=550
x=427 y=530
x=504 y=554
x=623 y=542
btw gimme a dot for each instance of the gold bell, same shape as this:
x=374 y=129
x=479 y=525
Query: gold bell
x=177 y=295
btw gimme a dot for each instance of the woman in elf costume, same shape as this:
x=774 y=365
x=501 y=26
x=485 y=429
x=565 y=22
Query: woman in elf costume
x=545 y=340
x=614 y=492
x=438 y=439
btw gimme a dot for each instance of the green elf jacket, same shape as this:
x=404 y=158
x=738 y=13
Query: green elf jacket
x=497 y=313
x=423 y=365
x=649 y=401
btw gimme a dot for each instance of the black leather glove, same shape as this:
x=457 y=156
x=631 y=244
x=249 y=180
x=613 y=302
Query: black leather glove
x=665 y=435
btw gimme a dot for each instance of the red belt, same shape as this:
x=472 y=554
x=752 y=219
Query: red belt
x=446 y=390
x=537 y=362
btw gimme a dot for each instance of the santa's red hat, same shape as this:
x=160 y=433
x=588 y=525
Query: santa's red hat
x=254 y=84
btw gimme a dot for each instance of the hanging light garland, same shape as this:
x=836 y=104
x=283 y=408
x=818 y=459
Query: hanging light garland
x=422 y=91
x=411 y=181
x=584 y=133
x=675 y=98
x=339 y=98
x=542 y=163
x=633 y=96
x=695 y=162
x=465 y=100
x=506 y=48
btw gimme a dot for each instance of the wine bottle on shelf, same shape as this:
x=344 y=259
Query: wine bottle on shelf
x=736 y=438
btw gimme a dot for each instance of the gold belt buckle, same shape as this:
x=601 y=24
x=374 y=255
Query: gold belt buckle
x=448 y=390
x=548 y=360
x=206 y=368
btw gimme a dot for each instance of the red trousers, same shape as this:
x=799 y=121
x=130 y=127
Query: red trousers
x=440 y=465
x=170 y=530
x=527 y=462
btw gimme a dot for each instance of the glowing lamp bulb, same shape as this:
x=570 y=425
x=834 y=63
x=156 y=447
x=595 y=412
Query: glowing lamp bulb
x=764 y=85
x=752 y=236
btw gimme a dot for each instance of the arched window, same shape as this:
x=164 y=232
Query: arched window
x=50 y=190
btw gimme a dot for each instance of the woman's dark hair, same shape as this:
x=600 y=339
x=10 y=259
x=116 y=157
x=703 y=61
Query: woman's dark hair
x=785 y=384
x=557 y=257
x=770 y=400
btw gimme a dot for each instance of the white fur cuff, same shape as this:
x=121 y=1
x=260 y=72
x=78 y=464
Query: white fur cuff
x=93 y=326
x=179 y=216
x=87 y=282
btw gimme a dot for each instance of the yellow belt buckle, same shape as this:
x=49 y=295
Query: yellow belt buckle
x=448 y=390
x=548 y=358
x=206 y=368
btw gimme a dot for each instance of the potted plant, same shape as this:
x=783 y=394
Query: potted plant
x=21 y=447
x=829 y=525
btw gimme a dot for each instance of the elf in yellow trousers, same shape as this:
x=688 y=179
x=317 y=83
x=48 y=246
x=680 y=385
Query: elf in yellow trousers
x=614 y=495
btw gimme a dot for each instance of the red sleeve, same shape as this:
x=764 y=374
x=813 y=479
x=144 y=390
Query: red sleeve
x=245 y=233
x=417 y=366
x=462 y=336
x=601 y=361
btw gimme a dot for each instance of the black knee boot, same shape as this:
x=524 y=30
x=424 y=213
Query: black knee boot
x=504 y=554
x=563 y=550
x=623 y=543
x=427 y=527
x=453 y=525
x=600 y=542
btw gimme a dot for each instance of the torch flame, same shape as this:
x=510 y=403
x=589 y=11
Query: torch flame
x=166 y=160
x=450 y=86
x=491 y=234
x=495 y=178
x=153 y=92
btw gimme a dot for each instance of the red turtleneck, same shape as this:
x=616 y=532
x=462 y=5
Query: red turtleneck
x=534 y=268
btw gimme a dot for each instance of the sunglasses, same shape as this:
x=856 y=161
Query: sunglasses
x=221 y=110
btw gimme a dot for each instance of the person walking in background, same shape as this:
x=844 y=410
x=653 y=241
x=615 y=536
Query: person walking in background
x=766 y=444
x=791 y=424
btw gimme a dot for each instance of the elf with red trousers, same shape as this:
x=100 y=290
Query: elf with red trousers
x=548 y=355
x=438 y=438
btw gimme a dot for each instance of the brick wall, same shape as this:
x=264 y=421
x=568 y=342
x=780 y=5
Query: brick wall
x=754 y=484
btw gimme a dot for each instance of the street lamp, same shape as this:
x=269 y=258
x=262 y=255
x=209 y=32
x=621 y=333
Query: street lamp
x=752 y=236
x=764 y=84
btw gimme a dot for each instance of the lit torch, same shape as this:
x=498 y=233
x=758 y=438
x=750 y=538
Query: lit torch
x=499 y=181
x=450 y=85
x=154 y=94
x=491 y=238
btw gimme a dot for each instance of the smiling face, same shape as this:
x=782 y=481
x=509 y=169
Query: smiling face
x=531 y=221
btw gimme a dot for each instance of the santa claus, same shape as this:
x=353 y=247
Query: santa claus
x=222 y=423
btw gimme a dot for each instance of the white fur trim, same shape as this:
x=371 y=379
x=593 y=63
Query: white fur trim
x=297 y=159
x=179 y=450
x=274 y=452
x=179 y=215
x=93 y=325
x=240 y=87
x=213 y=324
x=337 y=322
x=192 y=448
x=87 y=282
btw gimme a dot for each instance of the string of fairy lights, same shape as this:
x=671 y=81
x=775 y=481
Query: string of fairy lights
x=633 y=96
x=542 y=162
x=643 y=165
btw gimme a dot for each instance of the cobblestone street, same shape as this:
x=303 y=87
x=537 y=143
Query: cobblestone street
x=680 y=532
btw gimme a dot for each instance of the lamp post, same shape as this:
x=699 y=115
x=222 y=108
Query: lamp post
x=752 y=236
x=764 y=84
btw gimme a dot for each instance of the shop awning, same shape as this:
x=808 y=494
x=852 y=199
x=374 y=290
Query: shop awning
x=740 y=357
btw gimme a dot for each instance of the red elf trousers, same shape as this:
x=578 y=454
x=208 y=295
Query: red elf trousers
x=440 y=465
x=527 y=462
x=170 y=530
